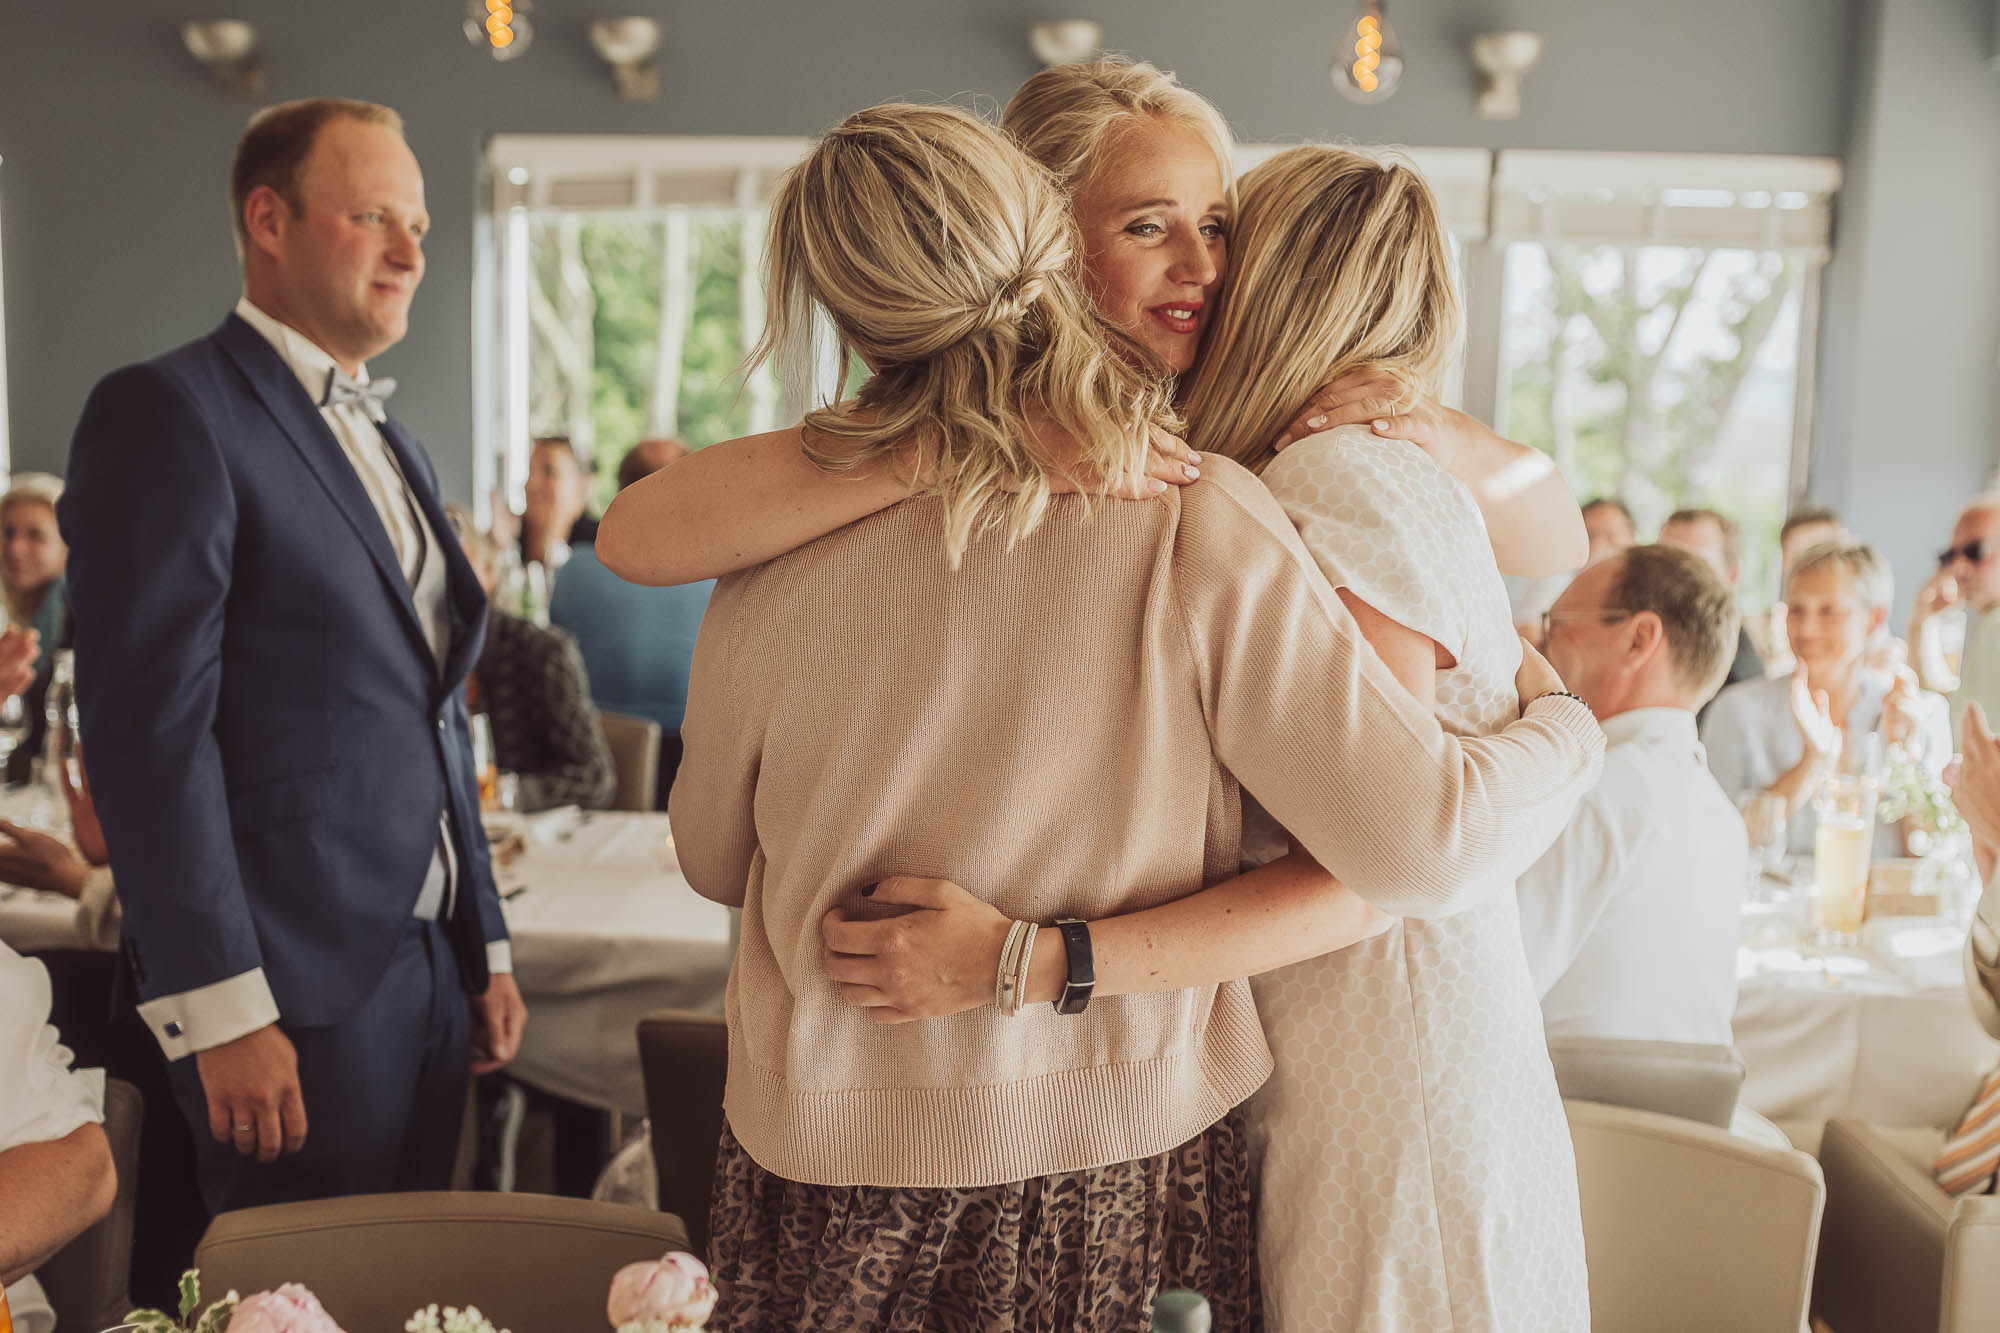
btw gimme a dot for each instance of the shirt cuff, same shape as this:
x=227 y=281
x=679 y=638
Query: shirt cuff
x=211 y=1015
x=97 y=912
x=499 y=956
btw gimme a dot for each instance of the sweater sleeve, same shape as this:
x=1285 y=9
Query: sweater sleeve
x=712 y=807
x=1309 y=720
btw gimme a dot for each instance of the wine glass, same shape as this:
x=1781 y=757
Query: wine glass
x=13 y=727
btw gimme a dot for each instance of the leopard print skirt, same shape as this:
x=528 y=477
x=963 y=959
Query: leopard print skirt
x=1081 y=1252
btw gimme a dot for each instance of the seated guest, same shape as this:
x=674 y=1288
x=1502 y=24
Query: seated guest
x=1631 y=918
x=56 y=1173
x=530 y=683
x=1714 y=537
x=553 y=518
x=32 y=558
x=1968 y=576
x=1804 y=529
x=636 y=642
x=1608 y=525
x=1785 y=734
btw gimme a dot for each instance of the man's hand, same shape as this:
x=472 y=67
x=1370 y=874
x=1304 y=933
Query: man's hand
x=254 y=1102
x=1812 y=712
x=1975 y=788
x=37 y=861
x=497 y=1019
x=83 y=826
x=18 y=647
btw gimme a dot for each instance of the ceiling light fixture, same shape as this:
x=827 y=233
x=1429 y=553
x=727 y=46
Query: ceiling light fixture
x=500 y=27
x=1502 y=58
x=228 y=49
x=1064 y=41
x=1368 y=62
x=631 y=46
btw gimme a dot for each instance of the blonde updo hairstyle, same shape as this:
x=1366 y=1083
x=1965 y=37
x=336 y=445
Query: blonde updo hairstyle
x=1065 y=115
x=946 y=259
x=1336 y=260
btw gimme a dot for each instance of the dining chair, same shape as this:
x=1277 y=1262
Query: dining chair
x=635 y=753
x=533 y=1263
x=684 y=1057
x=1897 y=1253
x=1687 y=1226
x=88 y=1281
x=1673 y=1078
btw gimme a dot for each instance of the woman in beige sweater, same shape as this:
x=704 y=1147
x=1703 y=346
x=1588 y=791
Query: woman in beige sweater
x=992 y=684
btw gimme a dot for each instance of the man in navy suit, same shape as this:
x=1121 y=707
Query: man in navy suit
x=273 y=625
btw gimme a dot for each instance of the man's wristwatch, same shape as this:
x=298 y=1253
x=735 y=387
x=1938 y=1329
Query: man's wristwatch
x=1082 y=978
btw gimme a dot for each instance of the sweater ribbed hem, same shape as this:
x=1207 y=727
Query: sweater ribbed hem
x=961 y=1138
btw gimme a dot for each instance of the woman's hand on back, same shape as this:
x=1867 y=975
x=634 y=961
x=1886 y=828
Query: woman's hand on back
x=1373 y=397
x=1171 y=463
x=1535 y=677
x=941 y=958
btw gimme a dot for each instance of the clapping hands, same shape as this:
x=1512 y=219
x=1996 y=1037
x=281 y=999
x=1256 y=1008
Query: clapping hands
x=1813 y=712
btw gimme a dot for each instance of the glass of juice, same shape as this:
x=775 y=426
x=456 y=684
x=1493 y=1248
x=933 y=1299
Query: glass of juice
x=1845 y=807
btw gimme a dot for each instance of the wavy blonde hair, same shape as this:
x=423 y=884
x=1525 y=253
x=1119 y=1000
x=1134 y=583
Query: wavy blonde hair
x=1066 y=114
x=1336 y=260
x=946 y=259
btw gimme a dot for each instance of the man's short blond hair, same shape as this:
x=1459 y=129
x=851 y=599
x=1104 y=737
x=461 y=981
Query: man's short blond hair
x=276 y=144
x=1697 y=611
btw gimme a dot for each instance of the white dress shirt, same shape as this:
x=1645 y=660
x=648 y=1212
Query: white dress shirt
x=236 y=1006
x=41 y=1098
x=1979 y=668
x=1753 y=740
x=1631 y=919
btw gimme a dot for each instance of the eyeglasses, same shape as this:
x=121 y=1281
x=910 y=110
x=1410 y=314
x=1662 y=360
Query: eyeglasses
x=1974 y=552
x=1550 y=619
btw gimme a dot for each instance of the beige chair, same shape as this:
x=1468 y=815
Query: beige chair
x=88 y=1280
x=1670 y=1077
x=685 y=1058
x=635 y=752
x=1899 y=1255
x=1688 y=1227
x=532 y=1263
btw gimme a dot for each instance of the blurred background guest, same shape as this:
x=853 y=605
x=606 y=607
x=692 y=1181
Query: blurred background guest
x=1967 y=581
x=1714 y=537
x=1631 y=919
x=1608 y=524
x=1800 y=532
x=1786 y=733
x=530 y=683
x=32 y=561
x=555 y=499
x=636 y=642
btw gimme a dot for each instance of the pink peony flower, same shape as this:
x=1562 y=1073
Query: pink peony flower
x=671 y=1293
x=289 y=1309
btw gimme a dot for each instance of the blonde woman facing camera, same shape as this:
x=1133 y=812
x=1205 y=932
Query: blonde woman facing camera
x=1415 y=1161
x=1146 y=163
x=1051 y=697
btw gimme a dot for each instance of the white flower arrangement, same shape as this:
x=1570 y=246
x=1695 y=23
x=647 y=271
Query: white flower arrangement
x=450 y=1319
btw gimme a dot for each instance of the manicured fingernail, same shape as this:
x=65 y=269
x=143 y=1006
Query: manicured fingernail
x=1381 y=425
x=1193 y=457
x=1155 y=485
x=1315 y=422
x=867 y=890
x=1192 y=472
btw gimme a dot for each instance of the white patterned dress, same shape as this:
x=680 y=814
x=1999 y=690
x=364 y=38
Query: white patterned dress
x=1416 y=1164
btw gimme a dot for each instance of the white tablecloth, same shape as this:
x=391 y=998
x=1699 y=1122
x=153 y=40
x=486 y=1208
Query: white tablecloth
x=1882 y=1030
x=602 y=935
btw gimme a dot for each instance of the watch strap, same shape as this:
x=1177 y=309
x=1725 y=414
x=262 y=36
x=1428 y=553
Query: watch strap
x=1082 y=978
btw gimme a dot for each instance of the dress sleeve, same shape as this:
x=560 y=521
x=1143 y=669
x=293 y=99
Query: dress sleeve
x=1308 y=719
x=1384 y=521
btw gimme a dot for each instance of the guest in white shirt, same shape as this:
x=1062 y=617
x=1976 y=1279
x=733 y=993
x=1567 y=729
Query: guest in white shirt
x=1785 y=734
x=1968 y=576
x=56 y=1173
x=1631 y=918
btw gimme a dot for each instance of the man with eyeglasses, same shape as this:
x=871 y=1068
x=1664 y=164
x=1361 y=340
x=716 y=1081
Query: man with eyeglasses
x=1968 y=576
x=1630 y=920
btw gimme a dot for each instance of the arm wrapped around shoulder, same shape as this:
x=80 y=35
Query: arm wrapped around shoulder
x=1415 y=820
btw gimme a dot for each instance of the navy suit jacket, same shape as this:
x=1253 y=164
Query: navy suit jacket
x=270 y=740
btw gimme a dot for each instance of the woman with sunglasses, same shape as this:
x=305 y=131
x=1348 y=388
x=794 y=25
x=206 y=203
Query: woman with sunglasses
x=1784 y=734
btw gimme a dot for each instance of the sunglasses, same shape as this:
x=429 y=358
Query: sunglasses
x=1974 y=552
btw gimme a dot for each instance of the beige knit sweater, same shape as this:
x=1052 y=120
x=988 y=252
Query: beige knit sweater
x=1062 y=729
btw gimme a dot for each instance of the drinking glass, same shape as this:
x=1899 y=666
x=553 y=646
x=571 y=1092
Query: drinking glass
x=484 y=764
x=1845 y=806
x=1767 y=820
x=13 y=727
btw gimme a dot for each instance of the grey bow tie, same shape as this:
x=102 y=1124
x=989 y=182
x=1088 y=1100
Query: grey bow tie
x=341 y=390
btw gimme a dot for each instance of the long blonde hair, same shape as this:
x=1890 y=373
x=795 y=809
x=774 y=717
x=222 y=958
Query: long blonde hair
x=1066 y=114
x=1336 y=260
x=947 y=260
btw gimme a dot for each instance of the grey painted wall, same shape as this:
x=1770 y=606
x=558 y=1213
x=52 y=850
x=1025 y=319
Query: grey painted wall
x=116 y=147
x=1909 y=411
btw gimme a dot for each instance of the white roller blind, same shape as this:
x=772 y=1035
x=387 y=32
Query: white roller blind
x=1751 y=202
x=636 y=173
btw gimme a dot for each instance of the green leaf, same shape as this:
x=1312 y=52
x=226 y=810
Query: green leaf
x=190 y=1292
x=153 y=1321
x=216 y=1318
